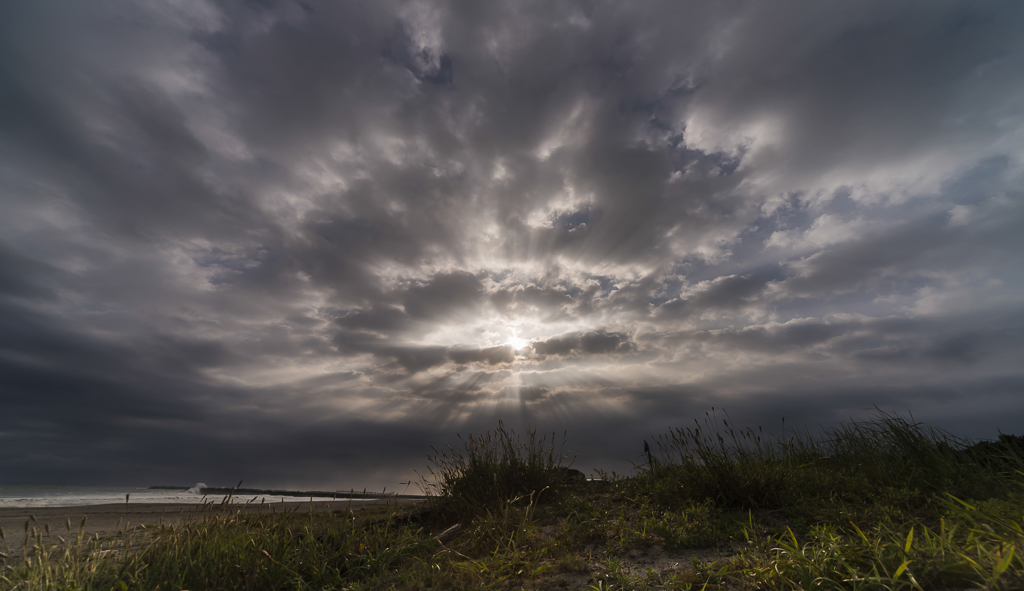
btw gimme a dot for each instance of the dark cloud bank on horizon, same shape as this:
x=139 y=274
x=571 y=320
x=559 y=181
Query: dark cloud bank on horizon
x=300 y=242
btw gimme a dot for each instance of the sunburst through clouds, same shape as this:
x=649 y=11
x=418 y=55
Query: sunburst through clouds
x=274 y=238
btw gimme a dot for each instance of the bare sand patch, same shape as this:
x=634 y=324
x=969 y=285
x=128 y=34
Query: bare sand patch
x=110 y=519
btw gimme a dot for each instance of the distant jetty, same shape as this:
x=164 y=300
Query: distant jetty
x=244 y=492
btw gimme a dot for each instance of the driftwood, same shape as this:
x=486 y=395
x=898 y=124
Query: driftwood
x=448 y=533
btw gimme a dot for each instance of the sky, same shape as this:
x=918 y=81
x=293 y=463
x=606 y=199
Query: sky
x=300 y=243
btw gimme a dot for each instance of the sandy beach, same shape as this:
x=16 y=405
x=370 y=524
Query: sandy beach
x=108 y=519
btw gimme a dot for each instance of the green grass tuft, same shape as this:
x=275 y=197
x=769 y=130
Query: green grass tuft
x=490 y=470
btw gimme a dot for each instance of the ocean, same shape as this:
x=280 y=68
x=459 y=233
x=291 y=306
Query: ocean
x=32 y=495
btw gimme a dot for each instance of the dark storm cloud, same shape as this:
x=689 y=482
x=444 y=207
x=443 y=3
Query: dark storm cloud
x=794 y=334
x=492 y=355
x=378 y=318
x=415 y=359
x=341 y=232
x=961 y=341
x=588 y=343
x=730 y=292
x=22 y=276
x=443 y=294
x=903 y=258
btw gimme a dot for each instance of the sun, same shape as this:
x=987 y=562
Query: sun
x=517 y=343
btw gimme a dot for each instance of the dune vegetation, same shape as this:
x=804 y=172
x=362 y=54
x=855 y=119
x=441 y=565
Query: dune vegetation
x=882 y=504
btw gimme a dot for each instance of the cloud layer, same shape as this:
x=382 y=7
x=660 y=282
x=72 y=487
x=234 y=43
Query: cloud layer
x=300 y=242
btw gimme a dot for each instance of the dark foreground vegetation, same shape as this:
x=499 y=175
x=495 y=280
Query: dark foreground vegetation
x=883 y=504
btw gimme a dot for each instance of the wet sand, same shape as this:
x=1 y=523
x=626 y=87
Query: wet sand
x=109 y=519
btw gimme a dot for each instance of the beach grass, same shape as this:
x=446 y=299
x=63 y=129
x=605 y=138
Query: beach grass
x=881 y=504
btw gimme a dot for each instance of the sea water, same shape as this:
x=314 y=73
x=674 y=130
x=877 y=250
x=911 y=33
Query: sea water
x=33 y=495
